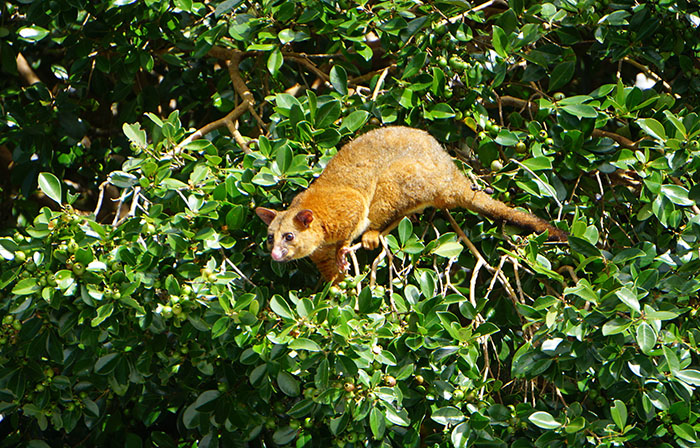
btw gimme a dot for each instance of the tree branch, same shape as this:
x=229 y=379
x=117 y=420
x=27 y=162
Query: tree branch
x=26 y=71
x=599 y=133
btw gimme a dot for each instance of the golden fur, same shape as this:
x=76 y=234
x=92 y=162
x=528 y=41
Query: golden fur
x=372 y=183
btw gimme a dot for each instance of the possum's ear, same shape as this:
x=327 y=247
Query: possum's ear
x=305 y=217
x=266 y=214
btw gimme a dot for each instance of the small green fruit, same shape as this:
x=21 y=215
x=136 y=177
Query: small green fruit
x=21 y=256
x=72 y=246
x=78 y=268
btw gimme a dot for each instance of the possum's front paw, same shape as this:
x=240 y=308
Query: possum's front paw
x=370 y=239
x=341 y=261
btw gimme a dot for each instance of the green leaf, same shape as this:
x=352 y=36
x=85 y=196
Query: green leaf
x=275 y=61
x=287 y=383
x=629 y=298
x=578 y=424
x=617 y=18
x=652 y=127
x=685 y=432
x=51 y=187
x=226 y=6
x=646 y=337
x=615 y=326
x=619 y=414
x=690 y=376
x=280 y=307
x=405 y=230
x=26 y=286
x=500 y=41
x=122 y=179
x=506 y=138
x=283 y=436
x=286 y=36
x=581 y=110
x=538 y=163
x=674 y=365
x=377 y=423
x=284 y=158
x=449 y=249
x=355 y=120
x=397 y=417
x=652 y=314
x=304 y=344
x=32 y=34
x=447 y=415
x=327 y=114
x=440 y=111
x=544 y=420
x=38 y=444
x=285 y=102
x=206 y=401
x=678 y=124
x=339 y=79
x=220 y=327
x=677 y=194
x=415 y=65
x=107 y=363
x=135 y=134
x=103 y=313
x=191 y=417
x=562 y=74
x=584 y=290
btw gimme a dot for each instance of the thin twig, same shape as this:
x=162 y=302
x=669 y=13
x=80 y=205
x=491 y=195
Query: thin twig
x=516 y=265
x=472 y=282
x=235 y=268
x=464 y=14
x=101 y=196
x=309 y=65
x=119 y=207
x=651 y=75
x=380 y=83
x=546 y=185
x=134 y=201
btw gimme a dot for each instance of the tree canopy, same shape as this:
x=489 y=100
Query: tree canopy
x=140 y=308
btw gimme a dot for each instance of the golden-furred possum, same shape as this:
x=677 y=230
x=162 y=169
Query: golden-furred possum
x=373 y=182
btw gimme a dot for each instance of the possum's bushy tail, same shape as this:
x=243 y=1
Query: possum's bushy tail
x=484 y=204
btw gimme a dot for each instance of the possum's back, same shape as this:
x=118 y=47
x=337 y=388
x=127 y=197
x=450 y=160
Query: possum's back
x=361 y=162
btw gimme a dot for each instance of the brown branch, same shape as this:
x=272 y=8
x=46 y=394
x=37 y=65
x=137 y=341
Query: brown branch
x=599 y=133
x=233 y=58
x=466 y=13
x=201 y=132
x=367 y=76
x=651 y=75
x=26 y=71
x=620 y=139
x=309 y=65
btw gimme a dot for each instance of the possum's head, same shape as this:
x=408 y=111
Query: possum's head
x=291 y=234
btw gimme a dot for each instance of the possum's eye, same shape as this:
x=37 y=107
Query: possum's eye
x=288 y=236
x=270 y=239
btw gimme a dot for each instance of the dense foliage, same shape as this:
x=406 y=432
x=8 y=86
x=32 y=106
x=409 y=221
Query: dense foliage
x=139 y=307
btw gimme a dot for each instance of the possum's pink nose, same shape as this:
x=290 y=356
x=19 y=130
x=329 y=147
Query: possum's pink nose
x=278 y=253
